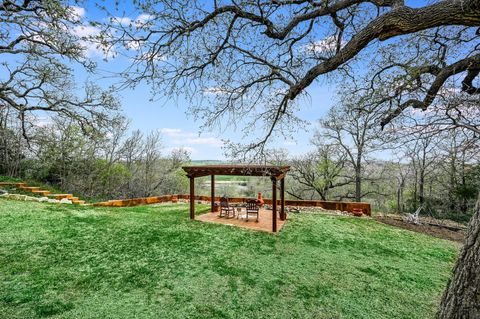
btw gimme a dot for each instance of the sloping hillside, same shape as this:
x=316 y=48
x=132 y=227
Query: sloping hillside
x=153 y=262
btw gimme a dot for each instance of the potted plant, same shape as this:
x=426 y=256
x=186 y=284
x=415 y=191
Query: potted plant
x=260 y=200
x=216 y=207
x=358 y=212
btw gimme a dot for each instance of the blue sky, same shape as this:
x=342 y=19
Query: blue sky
x=180 y=130
x=170 y=116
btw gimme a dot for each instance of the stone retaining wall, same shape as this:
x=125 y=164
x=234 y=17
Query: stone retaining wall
x=136 y=201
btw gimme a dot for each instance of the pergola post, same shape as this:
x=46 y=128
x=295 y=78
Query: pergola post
x=283 y=216
x=276 y=174
x=212 y=185
x=192 y=197
x=274 y=204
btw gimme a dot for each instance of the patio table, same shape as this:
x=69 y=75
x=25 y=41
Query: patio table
x=239 y=208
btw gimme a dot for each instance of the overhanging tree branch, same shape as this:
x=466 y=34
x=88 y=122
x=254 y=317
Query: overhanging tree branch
x=470 y=64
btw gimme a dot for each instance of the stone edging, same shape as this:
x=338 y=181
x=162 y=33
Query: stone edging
x=328 y=205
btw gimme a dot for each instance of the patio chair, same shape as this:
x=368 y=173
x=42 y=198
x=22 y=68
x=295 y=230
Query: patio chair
x=225 y=208
x=252 y=208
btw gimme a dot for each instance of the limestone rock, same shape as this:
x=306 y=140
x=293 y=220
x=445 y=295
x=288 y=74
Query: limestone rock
x=18 y=197
x=65 y=201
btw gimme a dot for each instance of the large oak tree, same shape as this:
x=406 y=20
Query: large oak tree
x=255 y=60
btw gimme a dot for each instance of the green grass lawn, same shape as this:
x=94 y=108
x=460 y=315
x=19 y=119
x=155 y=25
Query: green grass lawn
x=152 y=262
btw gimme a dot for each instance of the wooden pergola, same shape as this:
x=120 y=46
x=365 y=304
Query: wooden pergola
x=276 y=174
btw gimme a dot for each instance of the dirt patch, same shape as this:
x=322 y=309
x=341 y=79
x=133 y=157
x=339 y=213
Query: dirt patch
x=450 y=230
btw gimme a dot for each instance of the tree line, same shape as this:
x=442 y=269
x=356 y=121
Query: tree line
x=100 y=164
x=396 y=171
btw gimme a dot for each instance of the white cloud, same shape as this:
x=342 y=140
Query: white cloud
x=121 y=20
x=134 y=44
x=149 y=56
x=327 y=45
x=85 y=31
x=179 y=137
x=171 y=131
x=215 y=91
x=92 y=49
x=78 y=12
x=141 y=20
x=191 y=150
x=144 y=18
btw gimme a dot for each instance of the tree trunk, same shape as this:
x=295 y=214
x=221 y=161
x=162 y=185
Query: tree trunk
x=421 y=188
x=463 y=200
x=461 y=299
x=453 y=183
x=323 y=195
x=399 y=210
x=358 y=189
x=358 y=179
x=400 y=202
x=415 y=191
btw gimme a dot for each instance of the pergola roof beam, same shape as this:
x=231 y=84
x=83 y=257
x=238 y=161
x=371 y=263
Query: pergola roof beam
x=239 y=170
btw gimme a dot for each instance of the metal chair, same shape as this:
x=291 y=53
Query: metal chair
x=225 y=208
x=252 y=208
